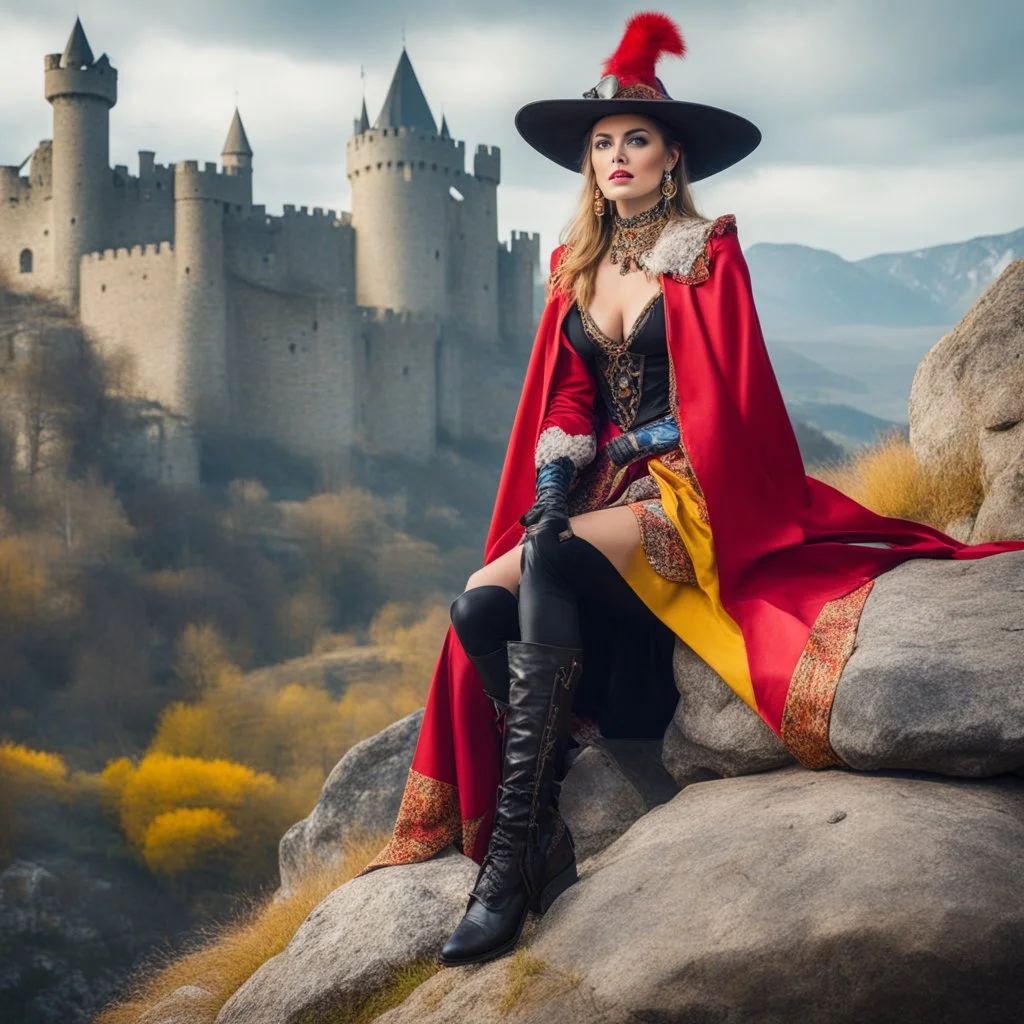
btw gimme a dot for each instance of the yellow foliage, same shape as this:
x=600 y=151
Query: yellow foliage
x=164 y=783
x=888 y=479
x=184 y=839
x=236 y=950
x=188 y=730
x=25 y=772
x=115 y=777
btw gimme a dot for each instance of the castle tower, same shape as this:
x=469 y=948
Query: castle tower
x=401 y=171
x=519 y=262
x=236 y=156
x=81 y=90
x=200 y=295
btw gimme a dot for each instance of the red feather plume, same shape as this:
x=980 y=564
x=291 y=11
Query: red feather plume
x=648 y=35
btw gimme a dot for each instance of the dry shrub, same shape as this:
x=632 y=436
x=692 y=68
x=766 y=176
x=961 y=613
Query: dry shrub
x=26 y=774
x=888 y=479
x=223 y=958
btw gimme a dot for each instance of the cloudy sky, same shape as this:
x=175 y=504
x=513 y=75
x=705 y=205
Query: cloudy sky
x=887 y=124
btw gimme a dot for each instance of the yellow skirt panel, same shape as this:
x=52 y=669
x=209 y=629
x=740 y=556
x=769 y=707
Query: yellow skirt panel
x=689 y=604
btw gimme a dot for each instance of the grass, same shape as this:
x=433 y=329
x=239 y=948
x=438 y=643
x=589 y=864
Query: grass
x=226 y=957
x=369 y=1008
x=522 y=966
x=888 y=479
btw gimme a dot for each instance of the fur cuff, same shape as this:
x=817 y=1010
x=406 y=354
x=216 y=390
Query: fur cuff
x=554 y=442
x=680 y=250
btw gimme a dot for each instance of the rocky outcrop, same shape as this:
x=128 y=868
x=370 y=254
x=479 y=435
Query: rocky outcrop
x=820 y=897
x=360 y=797
x=761 y=891
x=967 y=404
x=714 y=733
x=354 y=940
x=936 y=681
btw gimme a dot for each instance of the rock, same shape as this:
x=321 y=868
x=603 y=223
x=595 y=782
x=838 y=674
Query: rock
x=189 y=1004
x=598 y=801
x=936 y=681
x=967 y=403
x=713 y=732
x=825 y=897
x=352 y=941
x=361 y=795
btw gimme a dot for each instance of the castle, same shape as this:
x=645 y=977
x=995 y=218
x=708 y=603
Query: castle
x=317 y=330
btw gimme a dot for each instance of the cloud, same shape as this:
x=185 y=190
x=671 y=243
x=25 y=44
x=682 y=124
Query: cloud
x=885 y=125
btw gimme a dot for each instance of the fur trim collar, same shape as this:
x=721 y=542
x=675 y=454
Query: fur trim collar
x=681 y=248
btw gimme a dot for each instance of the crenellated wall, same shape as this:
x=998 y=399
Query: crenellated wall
x=400 y=355
x=518 y=265
x=300 y=251
x=141 y=206
x=127 y=303
x=472 y=284
x=292 y=370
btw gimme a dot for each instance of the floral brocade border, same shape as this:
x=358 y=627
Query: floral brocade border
x=812 y=689
x=429 y=819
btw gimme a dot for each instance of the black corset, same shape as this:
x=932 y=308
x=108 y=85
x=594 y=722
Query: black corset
x=633 y=386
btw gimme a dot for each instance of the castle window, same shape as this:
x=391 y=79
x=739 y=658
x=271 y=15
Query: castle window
x=103 y=287
x=73 y=219
x=315 y=325
x=188 y=270
x=405 y=371
x=46 y=232
x=291 y=348
x=437 y=254
x=25 y=261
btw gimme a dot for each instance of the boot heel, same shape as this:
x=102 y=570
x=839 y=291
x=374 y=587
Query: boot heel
x=554 y=889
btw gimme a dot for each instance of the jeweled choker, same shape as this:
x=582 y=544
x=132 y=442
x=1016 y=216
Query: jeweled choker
x=634 y=236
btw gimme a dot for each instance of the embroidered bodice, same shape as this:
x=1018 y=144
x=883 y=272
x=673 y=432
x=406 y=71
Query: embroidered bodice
x=633 y=374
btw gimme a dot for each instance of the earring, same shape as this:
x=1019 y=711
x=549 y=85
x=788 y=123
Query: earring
x=598 y=201
x=668 y=186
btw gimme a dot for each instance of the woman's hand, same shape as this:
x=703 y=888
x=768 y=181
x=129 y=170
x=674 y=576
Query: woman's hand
x=550 y=512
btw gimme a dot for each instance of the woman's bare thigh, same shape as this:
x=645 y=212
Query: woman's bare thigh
x=613 y=531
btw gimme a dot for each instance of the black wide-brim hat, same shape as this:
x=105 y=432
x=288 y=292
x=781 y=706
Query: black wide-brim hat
x=712 y=138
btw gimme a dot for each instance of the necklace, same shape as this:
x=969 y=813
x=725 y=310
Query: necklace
x=634 y=236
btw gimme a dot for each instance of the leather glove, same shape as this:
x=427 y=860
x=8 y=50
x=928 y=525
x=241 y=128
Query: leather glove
x=550 y=512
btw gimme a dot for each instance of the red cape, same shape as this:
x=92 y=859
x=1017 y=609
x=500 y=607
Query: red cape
x=780 y=535
x=782 y=538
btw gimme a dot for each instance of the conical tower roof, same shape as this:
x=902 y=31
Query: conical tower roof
x=236 y=144
x=364 y=120
x=77 y=53
x=445 y=134
x=405 y=105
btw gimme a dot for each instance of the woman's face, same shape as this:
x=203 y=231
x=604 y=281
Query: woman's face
x=629 y=157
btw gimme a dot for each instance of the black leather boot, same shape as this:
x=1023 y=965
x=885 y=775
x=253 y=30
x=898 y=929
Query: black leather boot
x=530 y=858
x=493 y=669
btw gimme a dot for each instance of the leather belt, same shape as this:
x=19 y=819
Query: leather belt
x=652 y=438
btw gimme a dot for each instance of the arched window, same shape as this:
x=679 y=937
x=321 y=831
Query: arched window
x=25 y=261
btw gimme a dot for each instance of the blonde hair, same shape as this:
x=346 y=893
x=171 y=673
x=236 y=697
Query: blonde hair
x=587 y=236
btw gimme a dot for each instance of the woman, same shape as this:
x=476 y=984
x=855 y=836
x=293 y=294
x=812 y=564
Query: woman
x=653 y=489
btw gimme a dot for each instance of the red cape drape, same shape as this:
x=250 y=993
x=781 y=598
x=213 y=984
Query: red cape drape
x=781 y=537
